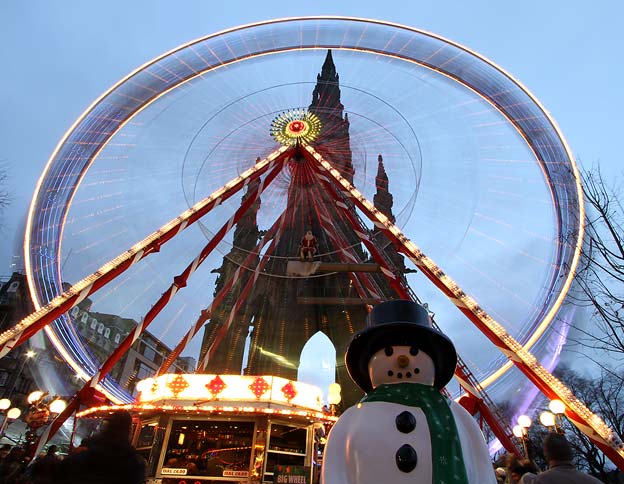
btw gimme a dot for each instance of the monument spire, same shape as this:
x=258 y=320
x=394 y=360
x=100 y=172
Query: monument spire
x=326 y=94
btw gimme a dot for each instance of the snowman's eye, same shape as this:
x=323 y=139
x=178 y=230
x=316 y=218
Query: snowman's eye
x=389 y=351
x=413 y=351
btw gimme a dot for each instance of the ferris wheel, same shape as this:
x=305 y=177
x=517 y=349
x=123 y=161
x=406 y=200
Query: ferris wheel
x=480 y=176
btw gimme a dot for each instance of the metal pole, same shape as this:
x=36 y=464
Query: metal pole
x=4 y=424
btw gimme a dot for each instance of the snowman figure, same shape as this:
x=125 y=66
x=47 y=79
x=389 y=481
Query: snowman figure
x=404 y=430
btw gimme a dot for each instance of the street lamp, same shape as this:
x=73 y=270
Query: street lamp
x=14 y=413
x=525 y=421
x=11 y=415
x=5 y=403
x=57 y=406
x=334 y=397
x=547 y=419
x=521 y=431
x=558 y=408
x=43 y=408
x=35 y=396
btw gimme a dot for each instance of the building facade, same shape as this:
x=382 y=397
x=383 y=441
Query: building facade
x=104 y=332
x=16 y=368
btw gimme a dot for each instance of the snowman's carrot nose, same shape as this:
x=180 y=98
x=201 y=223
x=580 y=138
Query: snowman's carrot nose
x=403 y=361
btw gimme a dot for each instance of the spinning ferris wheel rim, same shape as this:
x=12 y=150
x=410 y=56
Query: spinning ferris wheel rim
x=33 y=222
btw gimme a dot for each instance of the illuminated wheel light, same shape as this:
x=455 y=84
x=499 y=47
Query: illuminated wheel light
x=292 y=127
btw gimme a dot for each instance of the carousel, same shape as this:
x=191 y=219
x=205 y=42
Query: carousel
x=202 y=428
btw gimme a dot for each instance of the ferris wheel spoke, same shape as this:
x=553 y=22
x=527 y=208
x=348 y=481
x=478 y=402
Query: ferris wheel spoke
x=361 y=232
x=601 y=433
x=221 y=332
x=44 y=315
x=345 y=255
x=178 y=282
x=462 y=372
x=272 y=233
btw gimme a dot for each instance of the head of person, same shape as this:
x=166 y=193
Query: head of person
x=4 y=450
x=515 y=470
x=17 y=454
x=118 y=426
x=52 y=450
x=501 y=473
x=557 y=448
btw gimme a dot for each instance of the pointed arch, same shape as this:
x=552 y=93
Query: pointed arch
x=317 y=363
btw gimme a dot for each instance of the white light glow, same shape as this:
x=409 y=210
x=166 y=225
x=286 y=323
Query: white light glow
x=58 y=405
x=14 y=413
x=34 y=396
x=547 y=419
x=557 y=407
x=524 y=421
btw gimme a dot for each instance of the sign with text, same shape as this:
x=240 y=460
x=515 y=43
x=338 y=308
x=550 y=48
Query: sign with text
x=227 y=473
x=173 y=471
x=291 y=475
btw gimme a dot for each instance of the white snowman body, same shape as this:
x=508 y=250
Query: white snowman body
x=362 y=447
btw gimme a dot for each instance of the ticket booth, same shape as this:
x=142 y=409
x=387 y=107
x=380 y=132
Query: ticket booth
x=196 y=429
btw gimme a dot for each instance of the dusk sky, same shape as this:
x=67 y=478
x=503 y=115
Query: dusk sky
x=60 y=56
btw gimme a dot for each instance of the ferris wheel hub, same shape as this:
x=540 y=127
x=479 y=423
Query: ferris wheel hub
x=295 y=126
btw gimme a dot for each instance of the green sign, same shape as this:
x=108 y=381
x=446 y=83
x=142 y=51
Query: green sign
x=291 y=475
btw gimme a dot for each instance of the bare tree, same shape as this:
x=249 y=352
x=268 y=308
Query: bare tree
x=604 y=395
x=600 y=275
x=5 y=197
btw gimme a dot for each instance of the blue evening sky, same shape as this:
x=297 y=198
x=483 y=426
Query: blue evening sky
x=59 y=56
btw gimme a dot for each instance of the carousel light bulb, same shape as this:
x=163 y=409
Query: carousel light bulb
x=518 y=431
x=524 y=421
x=334 y=396
x=14 y=413
x=547 y=419
x=557 y=407
x=58 y=405
x=34 y=396
x=5 y=403
x=144 y=385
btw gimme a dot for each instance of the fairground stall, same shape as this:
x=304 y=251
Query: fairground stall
x=226 y=428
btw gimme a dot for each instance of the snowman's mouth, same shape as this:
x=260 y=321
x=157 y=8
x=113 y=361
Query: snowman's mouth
x=408 y=374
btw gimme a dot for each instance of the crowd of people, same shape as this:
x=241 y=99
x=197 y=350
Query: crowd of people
x=108 y=457
x=561 y=470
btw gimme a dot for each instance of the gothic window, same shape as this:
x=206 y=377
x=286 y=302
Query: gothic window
x=100 y=328
x=94 y=323
x=74 y=311
x=107 y=333
x=117 y=338
x=318 y=362
x=84 y=318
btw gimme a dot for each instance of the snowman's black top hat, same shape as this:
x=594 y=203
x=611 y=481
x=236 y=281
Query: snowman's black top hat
x=400 y=323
